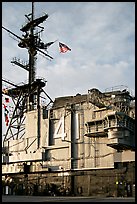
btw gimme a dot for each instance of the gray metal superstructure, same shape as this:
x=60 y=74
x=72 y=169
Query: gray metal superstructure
x=69 y=137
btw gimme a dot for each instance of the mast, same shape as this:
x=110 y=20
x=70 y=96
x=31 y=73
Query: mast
x=27 y=96
x=32 y=52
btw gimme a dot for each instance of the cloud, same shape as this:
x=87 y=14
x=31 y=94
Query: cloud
x=100 y=34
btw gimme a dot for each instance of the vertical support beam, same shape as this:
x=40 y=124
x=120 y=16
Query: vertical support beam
x=73 y=145
x=82 y=146
x=39 y=114
x=32 y=53
x=72 y=151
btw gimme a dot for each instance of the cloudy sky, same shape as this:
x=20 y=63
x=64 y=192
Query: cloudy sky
x=101 y=36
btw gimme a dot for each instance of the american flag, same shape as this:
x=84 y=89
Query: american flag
x=63 y=48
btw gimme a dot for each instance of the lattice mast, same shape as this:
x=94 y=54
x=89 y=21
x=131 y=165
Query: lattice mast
x=27 y=96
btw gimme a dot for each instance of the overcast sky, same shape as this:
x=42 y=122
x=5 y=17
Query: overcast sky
x=101 y=36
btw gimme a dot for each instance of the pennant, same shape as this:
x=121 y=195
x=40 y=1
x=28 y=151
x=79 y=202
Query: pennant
x=7 y=120
x=63 y=48
x=7 y=100
x=5 y=91
x=4 y=106
x=6 y=114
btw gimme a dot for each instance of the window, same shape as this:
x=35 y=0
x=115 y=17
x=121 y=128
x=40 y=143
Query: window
x=93 y=115
x=45 y=113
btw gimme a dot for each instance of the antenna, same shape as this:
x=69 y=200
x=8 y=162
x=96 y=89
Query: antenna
x=32 y=52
